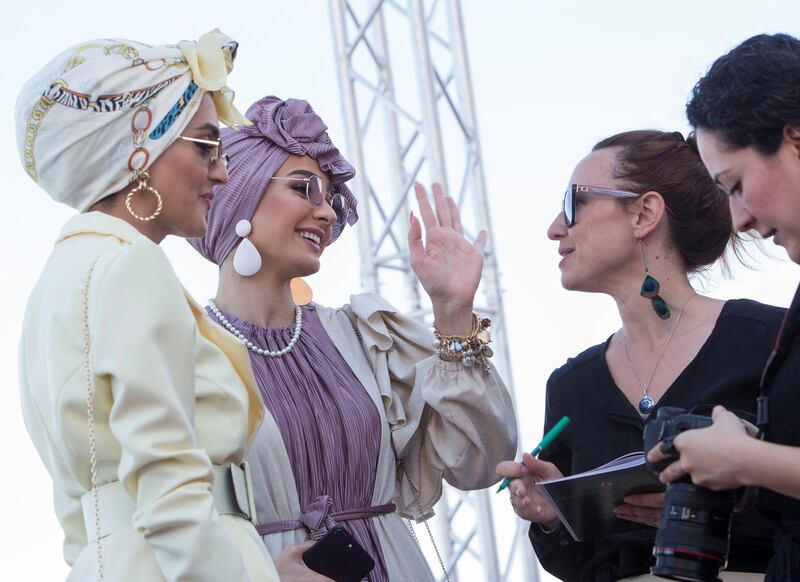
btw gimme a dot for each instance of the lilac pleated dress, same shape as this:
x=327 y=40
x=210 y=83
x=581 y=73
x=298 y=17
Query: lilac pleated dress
x=329 y=424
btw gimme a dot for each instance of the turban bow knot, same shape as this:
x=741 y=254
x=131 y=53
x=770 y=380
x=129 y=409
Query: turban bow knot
x=210 y=60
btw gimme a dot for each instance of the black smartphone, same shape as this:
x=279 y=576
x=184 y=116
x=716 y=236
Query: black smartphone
x=339 y=557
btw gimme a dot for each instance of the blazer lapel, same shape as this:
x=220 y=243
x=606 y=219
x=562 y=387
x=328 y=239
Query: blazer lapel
x=236 y=352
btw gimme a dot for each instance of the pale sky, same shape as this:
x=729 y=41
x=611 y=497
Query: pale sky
x=551 y=79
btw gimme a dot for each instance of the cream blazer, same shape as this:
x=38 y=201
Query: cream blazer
x=174 y=394
x=447 y=422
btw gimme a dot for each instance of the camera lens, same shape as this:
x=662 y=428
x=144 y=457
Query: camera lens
x=692 y=540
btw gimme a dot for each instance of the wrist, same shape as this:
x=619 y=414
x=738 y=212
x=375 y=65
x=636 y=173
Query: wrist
x=747 y=460
x=470 y=348
x=453 y=319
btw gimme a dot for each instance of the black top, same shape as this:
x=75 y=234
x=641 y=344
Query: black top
x=605 y=425
x=782 y=387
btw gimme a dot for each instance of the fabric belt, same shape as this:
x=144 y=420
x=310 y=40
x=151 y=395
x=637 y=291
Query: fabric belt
x=232 y=493
x=318 y=518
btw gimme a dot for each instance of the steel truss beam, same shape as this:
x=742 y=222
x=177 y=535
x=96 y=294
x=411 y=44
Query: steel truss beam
x=402 y=112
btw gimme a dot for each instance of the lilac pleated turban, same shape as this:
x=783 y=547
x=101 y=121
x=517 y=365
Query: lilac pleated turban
x=280 y=129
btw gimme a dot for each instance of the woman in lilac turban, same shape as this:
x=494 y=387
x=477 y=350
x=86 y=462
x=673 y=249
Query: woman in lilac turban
x=367 y=410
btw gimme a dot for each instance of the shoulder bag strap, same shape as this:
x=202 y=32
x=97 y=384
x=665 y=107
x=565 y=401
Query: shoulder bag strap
x=89 y=382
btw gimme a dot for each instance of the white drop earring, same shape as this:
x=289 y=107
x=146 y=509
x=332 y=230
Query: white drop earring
x=246 y=260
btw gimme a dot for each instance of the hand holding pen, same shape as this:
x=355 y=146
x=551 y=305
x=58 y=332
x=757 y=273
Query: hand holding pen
x=520 y=479
x=551 y=435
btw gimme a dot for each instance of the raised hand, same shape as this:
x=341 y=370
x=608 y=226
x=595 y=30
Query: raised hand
x=448 y=266
x=528 y=503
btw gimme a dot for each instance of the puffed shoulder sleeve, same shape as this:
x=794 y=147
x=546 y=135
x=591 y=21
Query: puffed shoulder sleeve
x=143 y=340
x=447 y=421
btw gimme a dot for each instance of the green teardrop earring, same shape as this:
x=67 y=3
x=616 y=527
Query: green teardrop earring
x=651 y=287
x=660 y=307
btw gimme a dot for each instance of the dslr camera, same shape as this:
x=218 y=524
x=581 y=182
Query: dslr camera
x=693 y=537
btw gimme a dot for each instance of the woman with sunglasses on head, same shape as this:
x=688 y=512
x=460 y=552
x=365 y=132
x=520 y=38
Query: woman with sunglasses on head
x=746 y=111
x=639 y=217
x=139 y=407
x=364 y=416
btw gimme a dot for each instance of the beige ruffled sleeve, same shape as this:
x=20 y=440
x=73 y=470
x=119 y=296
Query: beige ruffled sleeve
x=446 y=420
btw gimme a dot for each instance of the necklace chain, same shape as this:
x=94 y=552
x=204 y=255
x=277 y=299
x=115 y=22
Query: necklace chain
x=646 y=403
x=298 y=325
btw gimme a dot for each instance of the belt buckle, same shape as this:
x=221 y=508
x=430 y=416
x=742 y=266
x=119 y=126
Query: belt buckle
x=243 y=490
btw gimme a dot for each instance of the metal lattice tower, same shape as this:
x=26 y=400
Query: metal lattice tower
x=402 y=112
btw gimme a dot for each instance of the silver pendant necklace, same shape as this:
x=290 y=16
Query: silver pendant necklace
x=298 y=325
x=647 y=403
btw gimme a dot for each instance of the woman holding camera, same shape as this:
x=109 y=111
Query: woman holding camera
x=639 y=216
x=746 y=111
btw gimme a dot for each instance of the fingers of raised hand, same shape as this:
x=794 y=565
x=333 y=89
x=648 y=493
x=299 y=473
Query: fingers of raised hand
x=481 y=240
x=415 y=236
x=442 y=206
x=425 y=210
x=455 y=215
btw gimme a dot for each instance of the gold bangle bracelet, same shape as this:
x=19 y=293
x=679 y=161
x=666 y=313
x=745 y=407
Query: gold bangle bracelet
x=471 y=350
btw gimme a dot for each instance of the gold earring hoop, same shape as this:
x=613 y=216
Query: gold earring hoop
x=143 y=185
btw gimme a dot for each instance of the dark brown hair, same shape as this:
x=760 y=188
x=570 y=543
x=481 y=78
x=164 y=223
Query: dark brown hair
x=699 y=220
x=750 y=94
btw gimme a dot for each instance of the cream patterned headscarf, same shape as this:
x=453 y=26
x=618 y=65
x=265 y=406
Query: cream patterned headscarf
x=102 y=111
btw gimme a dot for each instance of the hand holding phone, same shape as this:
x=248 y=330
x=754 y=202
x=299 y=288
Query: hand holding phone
x=339 y=557
x=290 y=566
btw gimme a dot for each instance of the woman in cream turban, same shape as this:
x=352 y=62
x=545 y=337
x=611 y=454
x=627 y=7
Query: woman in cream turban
x=140 y=408
x=365 y=417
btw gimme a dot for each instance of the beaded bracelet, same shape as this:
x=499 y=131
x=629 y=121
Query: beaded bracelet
x=471 y=350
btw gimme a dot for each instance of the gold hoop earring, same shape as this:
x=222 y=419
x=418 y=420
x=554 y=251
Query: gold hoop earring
x=143 y=185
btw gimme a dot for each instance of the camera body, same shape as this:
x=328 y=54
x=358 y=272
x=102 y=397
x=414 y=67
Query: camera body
x=693 y=537
x=669 y=422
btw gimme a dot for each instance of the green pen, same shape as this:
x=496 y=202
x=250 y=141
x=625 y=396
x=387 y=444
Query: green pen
x=551 y=435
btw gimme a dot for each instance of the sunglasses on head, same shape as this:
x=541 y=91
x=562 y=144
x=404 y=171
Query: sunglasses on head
x=316 y=195
x=574 y=191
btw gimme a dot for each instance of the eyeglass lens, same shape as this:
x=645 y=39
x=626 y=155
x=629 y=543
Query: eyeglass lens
x=314 y=191
x=316 y=196
x=568 y=206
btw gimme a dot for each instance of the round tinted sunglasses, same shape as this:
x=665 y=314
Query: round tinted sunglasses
x=315 y=193
x=575 y=191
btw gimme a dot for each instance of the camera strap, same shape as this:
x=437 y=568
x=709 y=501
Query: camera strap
x=762 y=402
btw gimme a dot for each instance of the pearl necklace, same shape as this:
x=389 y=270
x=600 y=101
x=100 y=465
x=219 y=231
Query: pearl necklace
x=298 y=325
